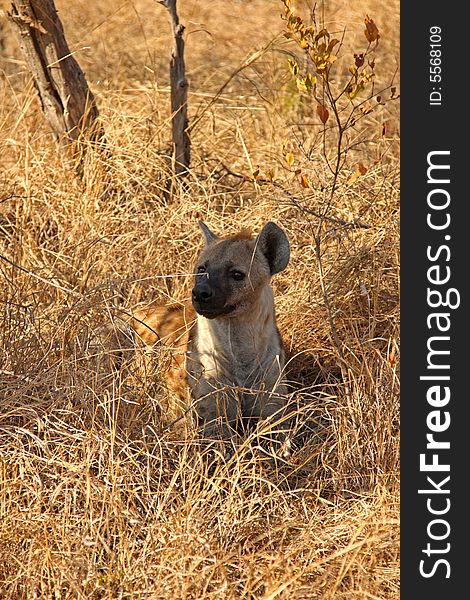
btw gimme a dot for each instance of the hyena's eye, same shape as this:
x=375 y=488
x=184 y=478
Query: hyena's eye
x=237 y=275
x=201 y=270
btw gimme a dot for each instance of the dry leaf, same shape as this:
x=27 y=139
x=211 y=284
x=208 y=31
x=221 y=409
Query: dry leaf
x=359 y=59
x=371 y=32
x=304 y=182
x=359 y=172
x=323 y=113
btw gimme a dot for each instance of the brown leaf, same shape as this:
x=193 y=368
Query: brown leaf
x=359 y=59
x=359 y=172
x=304 y=182
x=371 y=31
x=391 y=357
x=362 y=169
x=323 y=113
x=322 y=33
x=332 y=44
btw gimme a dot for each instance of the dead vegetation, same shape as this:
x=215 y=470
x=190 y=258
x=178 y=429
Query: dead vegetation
x=98 y=499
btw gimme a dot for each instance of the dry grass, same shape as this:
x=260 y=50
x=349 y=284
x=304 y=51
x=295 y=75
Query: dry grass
x=97 y=499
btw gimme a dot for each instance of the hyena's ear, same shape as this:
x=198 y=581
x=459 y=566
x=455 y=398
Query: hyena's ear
x=273 y=243
x=208 y=235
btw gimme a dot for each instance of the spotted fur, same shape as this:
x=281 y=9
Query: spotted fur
x=225 y=347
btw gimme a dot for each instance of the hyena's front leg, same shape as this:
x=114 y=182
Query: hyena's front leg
x=273 y=426
x=217 y=410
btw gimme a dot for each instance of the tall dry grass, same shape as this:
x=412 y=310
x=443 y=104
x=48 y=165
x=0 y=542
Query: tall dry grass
x=97 y=498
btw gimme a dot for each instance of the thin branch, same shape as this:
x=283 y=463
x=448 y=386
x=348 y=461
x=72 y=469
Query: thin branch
x=179 y=93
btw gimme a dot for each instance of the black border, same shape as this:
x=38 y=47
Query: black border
x=424 y=129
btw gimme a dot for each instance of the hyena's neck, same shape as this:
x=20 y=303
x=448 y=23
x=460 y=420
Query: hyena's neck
x=251 y=338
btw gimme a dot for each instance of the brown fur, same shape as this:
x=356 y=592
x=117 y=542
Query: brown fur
x=168 y=327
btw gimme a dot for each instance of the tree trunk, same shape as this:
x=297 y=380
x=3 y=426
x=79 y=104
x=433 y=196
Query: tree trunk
x=179 y=94
x=67 y=102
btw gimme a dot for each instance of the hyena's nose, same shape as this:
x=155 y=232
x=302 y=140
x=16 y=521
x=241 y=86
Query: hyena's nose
x=202 y=292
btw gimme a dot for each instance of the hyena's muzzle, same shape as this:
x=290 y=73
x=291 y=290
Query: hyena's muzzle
x=211 y=295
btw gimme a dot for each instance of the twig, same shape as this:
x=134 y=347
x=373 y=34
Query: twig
x=179 y=93
x=296 y=201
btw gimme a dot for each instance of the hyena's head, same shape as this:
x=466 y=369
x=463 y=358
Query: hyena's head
x=231 y=273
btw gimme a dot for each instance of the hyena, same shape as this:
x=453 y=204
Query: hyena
x=226 y=346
